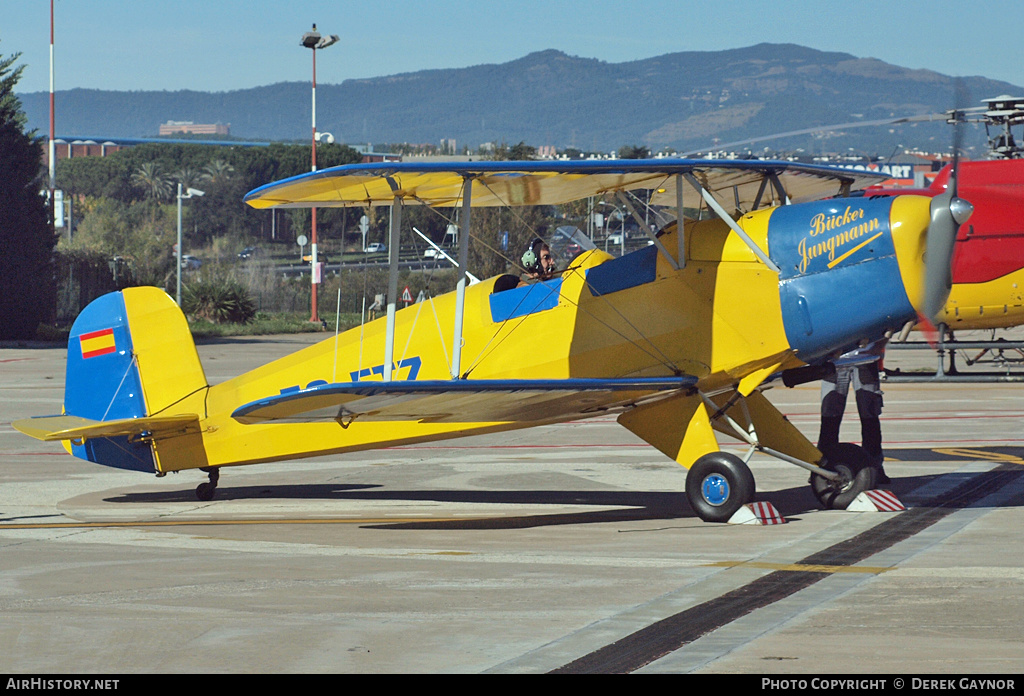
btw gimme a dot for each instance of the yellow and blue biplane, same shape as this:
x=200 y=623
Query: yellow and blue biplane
x=678 y=338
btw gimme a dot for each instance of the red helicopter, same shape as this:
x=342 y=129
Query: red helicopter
x=988 y=259
x=987 y=291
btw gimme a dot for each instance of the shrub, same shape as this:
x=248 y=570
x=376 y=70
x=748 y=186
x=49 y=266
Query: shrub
x=218 y=301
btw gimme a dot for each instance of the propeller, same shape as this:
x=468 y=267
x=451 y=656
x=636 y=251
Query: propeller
x=948 y=212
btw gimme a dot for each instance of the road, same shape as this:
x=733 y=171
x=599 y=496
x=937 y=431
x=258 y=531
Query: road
x=566 y=548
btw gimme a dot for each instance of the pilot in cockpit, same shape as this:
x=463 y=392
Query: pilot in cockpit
x=538 y=262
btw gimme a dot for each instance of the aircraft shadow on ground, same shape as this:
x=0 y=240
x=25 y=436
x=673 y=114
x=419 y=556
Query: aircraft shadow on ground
x=623 y=506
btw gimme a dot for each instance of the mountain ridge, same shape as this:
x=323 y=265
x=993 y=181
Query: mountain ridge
x=684 y=100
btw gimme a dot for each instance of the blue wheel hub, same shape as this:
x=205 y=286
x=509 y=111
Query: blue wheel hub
x=715 y=489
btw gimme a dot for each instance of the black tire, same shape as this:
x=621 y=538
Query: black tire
x=205 y=490
x=855 y=466
x=717 y=485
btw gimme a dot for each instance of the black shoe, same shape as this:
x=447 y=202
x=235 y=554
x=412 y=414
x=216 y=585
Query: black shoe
x=880 y=476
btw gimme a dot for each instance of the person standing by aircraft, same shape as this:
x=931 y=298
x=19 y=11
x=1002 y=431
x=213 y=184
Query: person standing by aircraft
x=865 y=378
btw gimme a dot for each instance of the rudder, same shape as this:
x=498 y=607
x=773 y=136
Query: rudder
x=130 y=355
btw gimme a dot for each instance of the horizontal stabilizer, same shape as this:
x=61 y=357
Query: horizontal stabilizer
x=459 y=401
x=52 y=428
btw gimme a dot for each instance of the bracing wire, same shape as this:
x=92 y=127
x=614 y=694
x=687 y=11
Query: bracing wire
x=660 y=356
x=655 y=352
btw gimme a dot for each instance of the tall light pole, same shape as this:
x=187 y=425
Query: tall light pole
x=52 y=148
x=312 y=40
x=191 y=192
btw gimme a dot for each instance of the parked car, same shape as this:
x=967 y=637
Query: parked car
x=320 y=256
x=250 y=252
x=190 y=262
x=432 y=253
x=375 y=248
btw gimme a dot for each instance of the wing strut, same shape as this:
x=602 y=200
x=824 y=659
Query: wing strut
x=460 y=289
x=394 y=239
x=760 y=193
x=624 y=199
x=780 y=189
x=720 y=211
x=680 y=227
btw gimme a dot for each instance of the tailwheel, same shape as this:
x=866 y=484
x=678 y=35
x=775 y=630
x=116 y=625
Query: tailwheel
x=205 y=490
x=856 y=475
x=717 y=485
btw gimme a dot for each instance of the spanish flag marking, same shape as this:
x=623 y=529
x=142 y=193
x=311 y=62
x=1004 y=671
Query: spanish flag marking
x=97 y=343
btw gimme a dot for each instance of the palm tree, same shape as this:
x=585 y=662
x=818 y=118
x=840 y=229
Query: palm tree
x=218 y=171
x=189 y=177
x=156 y=187
x=154 y=184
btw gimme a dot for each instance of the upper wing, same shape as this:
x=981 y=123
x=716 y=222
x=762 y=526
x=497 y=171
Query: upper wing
x=459 y=401
x=440 y=184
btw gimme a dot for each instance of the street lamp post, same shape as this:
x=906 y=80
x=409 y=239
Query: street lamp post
x=188 y=194
x=622 y=227
x=312 y=40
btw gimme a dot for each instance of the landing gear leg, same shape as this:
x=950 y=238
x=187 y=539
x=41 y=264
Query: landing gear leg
x=946 y=335
x=205 y=490
x=856 y=475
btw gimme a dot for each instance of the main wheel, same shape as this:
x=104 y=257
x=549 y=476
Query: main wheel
x=856 y=471
x=717 y=485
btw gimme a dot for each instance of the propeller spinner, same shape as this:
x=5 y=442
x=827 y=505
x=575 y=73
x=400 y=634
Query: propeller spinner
x=948 y=212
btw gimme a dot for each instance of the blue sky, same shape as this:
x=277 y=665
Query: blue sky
x=221 y=45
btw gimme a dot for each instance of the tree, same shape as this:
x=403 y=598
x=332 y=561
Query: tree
x=140 y=234
x=634 y=152
x=218 y=171
x=26 y=239
x=518 y=152
x=189 y=177
x=150 y=179
x=523 y=225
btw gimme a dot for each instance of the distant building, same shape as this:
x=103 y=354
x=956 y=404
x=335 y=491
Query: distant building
x=174 y=127
x=381 y=157
x=423 y=159
x=64 y=149
x=370 y=156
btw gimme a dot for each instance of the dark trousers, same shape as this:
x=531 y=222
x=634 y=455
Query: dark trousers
x=868 y=392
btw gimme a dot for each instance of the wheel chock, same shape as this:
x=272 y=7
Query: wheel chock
x=876 y=500
x=757 y=513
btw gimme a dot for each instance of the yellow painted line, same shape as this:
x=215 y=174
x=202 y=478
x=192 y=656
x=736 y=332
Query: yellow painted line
x=851 y=251
x=801 y=567
x=979 y=454
x=227 y=523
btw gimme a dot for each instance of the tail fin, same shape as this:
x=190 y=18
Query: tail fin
x=131 y=356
